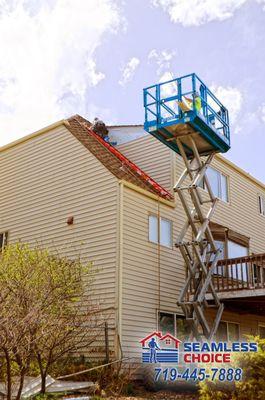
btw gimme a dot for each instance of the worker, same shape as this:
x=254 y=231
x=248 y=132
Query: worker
x=187 y=104
x=197 y=101
x=100 y=129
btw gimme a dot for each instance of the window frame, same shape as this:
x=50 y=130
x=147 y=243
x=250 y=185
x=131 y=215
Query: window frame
x=168 y=313
x=159 y=218
x=219 y=184
x=224 y=235
x=174 y=314
x=5 y=239
x=227 y=331
x=225 y=247
x=261 y=202
x=260 y=325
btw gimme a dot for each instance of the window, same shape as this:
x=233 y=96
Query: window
x=221 y=334
x=227 y=332
x=174 y=324
x=232 y=245
x=3 y=240
x=221 y=246
x=262 y=205
x=153 y=229
x=218 y=183
x=160 y=231
x=262 y=331
x=166 y=323
x=237 y=250
x=182 y=328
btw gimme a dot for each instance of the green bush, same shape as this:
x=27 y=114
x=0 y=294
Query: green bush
x=252 y=387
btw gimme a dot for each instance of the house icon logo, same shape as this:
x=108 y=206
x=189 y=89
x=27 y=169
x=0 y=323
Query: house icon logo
x=159 y=348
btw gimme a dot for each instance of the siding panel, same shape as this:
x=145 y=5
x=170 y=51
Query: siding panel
x=49 y=178
x=153 y=275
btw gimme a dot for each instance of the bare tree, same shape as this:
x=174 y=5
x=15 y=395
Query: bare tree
x=46 y=310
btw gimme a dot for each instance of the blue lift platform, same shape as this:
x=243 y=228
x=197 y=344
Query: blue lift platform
x=184 y=106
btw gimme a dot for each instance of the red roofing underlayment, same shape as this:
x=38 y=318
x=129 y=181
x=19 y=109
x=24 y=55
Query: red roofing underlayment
x=124 y=160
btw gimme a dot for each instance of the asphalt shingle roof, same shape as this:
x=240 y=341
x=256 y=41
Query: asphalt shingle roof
x=112 y=159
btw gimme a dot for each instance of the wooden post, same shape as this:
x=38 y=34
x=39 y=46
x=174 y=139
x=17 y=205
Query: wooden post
x=107 y=342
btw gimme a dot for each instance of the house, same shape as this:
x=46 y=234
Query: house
x=124 y=217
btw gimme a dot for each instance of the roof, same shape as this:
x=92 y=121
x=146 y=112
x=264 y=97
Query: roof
x=113 y=159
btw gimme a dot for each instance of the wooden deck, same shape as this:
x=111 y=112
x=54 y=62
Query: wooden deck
x=239 y=276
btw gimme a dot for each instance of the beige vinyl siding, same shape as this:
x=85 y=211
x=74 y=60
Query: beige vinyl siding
x=152 y=157
x=242 y=212
x=152 y=274
x=49 y=178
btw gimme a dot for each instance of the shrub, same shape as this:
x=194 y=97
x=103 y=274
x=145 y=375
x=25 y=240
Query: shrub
x=252 y=387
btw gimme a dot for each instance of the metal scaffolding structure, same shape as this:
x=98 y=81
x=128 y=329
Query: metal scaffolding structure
x=196 y=242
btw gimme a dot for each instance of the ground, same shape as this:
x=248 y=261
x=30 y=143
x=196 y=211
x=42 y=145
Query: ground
x=161 y=395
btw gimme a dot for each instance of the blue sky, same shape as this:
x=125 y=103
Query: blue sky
x=93 y=57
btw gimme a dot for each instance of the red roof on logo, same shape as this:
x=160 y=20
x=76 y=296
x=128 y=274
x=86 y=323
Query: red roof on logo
x=161 y=338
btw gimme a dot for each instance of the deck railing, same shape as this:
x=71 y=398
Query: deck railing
x=242 y=273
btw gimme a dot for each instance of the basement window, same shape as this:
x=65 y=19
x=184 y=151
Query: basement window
x=174 y=324
x=261 y=331
x=160 y=231
x=3 y=240
x=228 y=332
x=166 y=323
x=262 y=205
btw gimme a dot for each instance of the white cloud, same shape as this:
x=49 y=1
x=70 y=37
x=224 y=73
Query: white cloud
x=48 y=59
x=261 y=112
x=261 y=2
x=129 y=71
x=170 y=89
x=231 y=98
x=162 y=59
x=198 y=12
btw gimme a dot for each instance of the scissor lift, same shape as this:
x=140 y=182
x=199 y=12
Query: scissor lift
x=186 y=116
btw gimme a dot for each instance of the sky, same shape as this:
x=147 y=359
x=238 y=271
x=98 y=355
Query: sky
x=94 y=57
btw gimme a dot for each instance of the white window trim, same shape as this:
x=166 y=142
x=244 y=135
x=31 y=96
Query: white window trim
x=219 y=185
x=159 y=231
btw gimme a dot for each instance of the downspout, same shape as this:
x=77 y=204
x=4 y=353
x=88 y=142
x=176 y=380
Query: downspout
x=120 y=270
x=159 y=257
